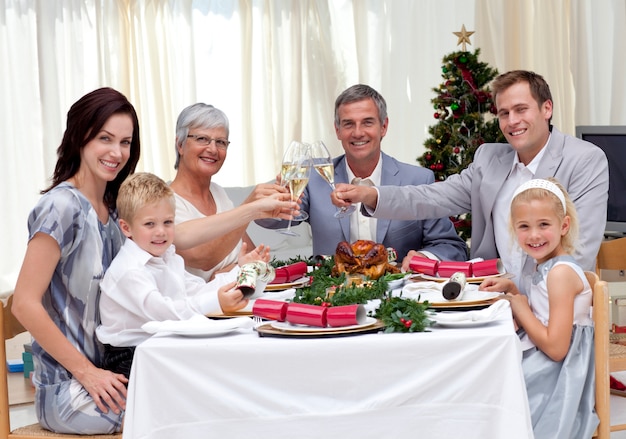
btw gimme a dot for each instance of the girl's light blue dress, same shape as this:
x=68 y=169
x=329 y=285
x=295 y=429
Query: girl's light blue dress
x=562 y=394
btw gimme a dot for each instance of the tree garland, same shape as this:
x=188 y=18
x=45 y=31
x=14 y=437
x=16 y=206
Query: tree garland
x=397 y=313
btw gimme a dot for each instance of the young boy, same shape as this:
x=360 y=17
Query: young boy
x=147 y=280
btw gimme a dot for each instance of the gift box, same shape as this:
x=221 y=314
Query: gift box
x=290 y=273
x=27 y=359
x=15 y=365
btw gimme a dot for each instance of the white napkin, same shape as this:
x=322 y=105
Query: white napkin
x=287 y=294
x=413 y=290
x=196 y=323
x=483 y=315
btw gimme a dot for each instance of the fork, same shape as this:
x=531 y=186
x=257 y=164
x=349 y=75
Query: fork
x=258 y=321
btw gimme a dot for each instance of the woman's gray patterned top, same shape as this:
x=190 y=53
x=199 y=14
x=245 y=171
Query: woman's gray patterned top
x=87 y=249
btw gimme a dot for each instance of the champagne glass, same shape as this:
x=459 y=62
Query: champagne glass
x=323 y=164
x=288 y=167
x=297 y=168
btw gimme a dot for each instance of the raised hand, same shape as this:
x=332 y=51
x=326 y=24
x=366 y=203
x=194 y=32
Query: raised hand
x=263 y=190
x=276 y=205
x=261 y=253
x=347 y=194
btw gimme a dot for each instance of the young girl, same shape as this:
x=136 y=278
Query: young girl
x=554 y=320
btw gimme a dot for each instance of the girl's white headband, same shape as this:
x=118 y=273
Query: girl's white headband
x=542 y=184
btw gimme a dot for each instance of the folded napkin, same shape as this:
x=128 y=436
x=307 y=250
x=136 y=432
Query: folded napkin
x=290 y=273
x=287 y=294
x=432 y=290
x=484 y=315
x=196 y=323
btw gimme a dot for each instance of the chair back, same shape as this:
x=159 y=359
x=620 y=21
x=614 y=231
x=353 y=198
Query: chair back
x=9 y=328
x=612 y=255
x=600 y=315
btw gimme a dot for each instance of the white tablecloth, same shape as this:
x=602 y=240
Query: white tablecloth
x=448 y=383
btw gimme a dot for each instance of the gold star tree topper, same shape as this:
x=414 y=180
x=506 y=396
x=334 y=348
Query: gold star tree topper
x=463 y=37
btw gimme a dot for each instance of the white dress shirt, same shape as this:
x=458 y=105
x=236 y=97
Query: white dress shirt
x=138 y=288
x=363 y=227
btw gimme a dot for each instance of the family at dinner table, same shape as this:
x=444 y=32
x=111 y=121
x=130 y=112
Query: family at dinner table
x=173 y=251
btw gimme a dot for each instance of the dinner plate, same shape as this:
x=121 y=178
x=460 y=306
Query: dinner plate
x=202 y=332
x=465 y=323
x=206 y=331
x=242 y=313
x=197 y=327
x=470 y=298
x=267 y=330
x=295 y=284
x=445 y=279
x=286 y=326
x=397 y=283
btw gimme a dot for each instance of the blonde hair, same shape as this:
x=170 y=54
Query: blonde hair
x=568 y=241
x=140 y=189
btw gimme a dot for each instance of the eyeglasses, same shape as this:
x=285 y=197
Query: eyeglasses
x=220 y=143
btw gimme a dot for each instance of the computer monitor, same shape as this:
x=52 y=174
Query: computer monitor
x=612 y=140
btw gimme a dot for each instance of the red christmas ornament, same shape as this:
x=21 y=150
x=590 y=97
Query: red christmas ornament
x=428 y=156
x=436 y=115
x=433 y=167
x=439 y=166
x=457 y=150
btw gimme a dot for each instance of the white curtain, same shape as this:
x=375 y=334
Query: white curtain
x=275 y=67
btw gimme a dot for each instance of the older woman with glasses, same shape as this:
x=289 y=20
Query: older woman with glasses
x=201 y=148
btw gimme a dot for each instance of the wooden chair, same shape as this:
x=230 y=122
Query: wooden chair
x=600 y=316
x=9 y=328
x=612 y=256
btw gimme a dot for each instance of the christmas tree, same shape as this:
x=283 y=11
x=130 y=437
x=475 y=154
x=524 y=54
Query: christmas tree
x=465 y=115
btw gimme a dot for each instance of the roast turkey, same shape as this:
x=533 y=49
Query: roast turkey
x=362 y=257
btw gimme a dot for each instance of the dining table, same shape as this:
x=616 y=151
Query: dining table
x=448 y=382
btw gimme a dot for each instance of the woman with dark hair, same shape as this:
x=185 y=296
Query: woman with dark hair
x=73 y=238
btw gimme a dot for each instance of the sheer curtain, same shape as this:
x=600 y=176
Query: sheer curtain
x=531 y=35
x=275 y=67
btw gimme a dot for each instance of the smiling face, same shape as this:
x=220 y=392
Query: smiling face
x=202 y=161
x=538 y=229
x=152 y=227
x=523 y=121
x=104 y=156
x=360 y=132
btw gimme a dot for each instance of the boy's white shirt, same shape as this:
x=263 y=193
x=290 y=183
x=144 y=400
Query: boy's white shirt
x=138 y=288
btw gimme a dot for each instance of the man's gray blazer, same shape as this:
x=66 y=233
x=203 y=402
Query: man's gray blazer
x=580 y=167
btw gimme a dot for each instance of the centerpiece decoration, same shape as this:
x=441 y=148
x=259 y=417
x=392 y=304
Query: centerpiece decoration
x=329 y=288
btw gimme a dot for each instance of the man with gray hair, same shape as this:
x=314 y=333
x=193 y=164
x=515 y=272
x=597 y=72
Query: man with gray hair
x=360 y=124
